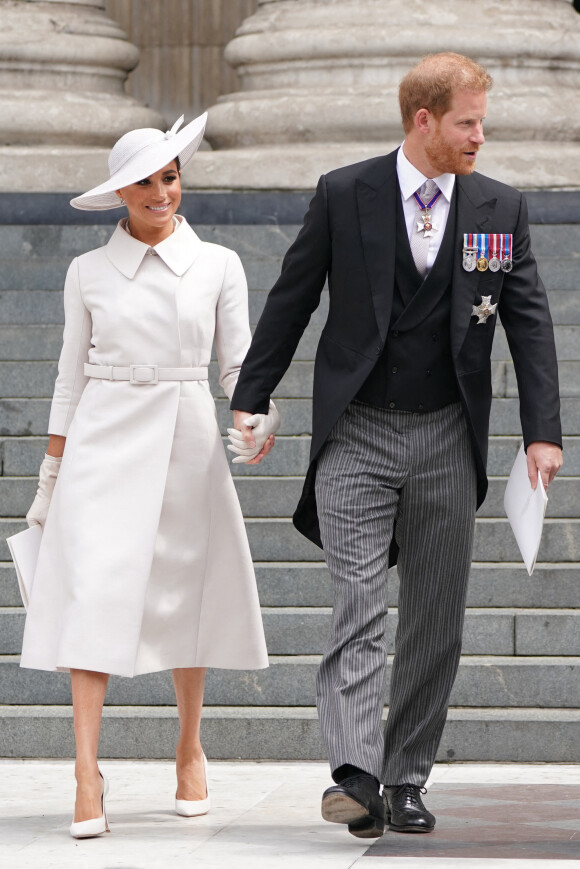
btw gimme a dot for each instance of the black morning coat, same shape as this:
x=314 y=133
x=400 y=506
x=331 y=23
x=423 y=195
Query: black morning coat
x=348 y=236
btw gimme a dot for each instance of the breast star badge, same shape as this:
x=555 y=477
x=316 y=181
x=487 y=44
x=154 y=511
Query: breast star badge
x=483 y=311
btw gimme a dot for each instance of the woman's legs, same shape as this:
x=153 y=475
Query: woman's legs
x=189 y=684
x=88 y=693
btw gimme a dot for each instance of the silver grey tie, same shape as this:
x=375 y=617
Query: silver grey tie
x=419 y=239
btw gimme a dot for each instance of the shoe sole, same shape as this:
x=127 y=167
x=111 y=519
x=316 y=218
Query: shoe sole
x=342 y=809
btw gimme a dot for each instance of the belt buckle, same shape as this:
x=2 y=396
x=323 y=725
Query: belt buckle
x=141 y=374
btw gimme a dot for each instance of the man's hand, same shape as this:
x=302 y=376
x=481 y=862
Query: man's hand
x=248 y=435
x=545 y=458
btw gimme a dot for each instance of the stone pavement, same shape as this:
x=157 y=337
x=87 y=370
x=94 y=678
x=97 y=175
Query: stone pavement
x=267 y=816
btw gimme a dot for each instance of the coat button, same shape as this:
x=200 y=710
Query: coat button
x=428 y=372
x=394 y=369
x=420 y=407
x=395 y=333
x=391 y=404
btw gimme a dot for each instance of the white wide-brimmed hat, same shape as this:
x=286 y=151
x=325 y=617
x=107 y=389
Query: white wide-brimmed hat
x=138 y=155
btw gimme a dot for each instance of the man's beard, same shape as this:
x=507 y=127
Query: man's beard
x=445 y=158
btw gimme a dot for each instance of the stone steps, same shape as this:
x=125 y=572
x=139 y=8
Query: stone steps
x=305 y=631
x=37 y=257
x=29 y=416
x=35 y=342
x=518 y=681
x=31 y=307
x=285 y=732
x=19 y=379
x=275 y=497
x=307 y=584
x=276 y=539
x=504 y=584
x=21 y=457
x=482 y=681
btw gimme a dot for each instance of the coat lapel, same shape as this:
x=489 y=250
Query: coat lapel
x=474 y=214
x=376 y=193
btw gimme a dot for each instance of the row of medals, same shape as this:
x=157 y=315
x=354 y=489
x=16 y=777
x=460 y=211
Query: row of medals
x=482 y=264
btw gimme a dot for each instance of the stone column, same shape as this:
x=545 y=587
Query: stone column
x=320 y=79
x=63 y=67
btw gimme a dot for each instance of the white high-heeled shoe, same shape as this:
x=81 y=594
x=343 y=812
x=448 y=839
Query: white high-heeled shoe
x=95 y=826
x=191 y=808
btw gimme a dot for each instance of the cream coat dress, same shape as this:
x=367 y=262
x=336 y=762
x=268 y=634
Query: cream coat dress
x=144 y=562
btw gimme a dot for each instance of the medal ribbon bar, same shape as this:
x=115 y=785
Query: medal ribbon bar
x=483 y=244
x=506 y=246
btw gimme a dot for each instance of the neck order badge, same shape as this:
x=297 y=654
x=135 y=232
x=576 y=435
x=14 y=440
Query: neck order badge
x=425 y=223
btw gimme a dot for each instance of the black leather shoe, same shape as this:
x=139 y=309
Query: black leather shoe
x=356 y=801
x=405 y=812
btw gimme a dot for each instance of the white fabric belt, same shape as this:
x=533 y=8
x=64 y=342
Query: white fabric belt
x=142 y=374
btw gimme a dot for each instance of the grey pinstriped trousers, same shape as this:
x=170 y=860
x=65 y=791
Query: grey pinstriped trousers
x=379 y=467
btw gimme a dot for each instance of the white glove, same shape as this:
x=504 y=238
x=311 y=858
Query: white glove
x=263 y=425
x=46 y=482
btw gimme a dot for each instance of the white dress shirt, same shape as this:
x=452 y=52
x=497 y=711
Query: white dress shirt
x=410 y=179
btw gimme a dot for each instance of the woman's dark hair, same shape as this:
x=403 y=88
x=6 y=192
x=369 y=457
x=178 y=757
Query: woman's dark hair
x=178 y=163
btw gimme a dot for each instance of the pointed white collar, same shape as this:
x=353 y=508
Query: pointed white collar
x=178 y=251
x=410 y=179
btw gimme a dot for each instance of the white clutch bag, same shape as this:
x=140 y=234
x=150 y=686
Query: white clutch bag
x=24 y=548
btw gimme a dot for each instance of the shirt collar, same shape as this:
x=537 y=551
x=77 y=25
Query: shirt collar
x=410 y=179
x=178 y=251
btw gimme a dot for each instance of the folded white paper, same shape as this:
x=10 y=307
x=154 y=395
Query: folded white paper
x=525 y=508
x=24 y=548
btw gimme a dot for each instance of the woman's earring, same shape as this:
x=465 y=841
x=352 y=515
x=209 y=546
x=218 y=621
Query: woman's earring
x=122 y=201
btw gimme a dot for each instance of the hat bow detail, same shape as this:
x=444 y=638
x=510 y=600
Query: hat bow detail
x=171 y=133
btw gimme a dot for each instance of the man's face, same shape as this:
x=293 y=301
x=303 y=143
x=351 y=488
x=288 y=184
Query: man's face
x=456 y=137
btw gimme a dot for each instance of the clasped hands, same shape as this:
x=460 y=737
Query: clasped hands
x=252 y=438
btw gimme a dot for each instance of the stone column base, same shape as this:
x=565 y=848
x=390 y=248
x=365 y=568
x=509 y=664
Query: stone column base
x=52 y=169
x=528 y=165
x=57 y=169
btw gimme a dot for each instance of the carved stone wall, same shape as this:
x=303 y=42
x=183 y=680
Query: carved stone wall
x=182 y=67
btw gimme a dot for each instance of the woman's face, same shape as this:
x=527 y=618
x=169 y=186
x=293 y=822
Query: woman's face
x=152 y=202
